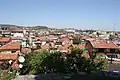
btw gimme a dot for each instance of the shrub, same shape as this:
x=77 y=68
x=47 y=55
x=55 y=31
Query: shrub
x=45 y=62
x=5 y=75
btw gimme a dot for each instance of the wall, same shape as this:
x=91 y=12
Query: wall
x=17 y=34
x=89 y=46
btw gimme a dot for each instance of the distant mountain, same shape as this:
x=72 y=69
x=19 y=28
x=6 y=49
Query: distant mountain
x=40 y=27
x=9 y=25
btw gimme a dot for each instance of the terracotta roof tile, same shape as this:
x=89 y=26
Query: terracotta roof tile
x=43 y=38
x=103 y=44
x=85 y=36
x=11 y=46
x=8 y=56
x=17 y=30
x=63 y=48
x=4 y=39
x=46 y=46
x=25 y=50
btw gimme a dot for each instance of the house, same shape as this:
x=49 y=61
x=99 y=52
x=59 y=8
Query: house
x=17 y=33
x=10 y=56
x=63 y=49
x=42 y=32
x=82 y=47
x=9 y=52
x=58 y=43
x=4 y=40
x=117 y=41
x=12 y=47
x=66 y=41
x=21 y=40
x=105 y=36
x=84 y=37
x=45 y=46
x=5 y=31
x=25 y=50
x=102 y=46
x=70 y=30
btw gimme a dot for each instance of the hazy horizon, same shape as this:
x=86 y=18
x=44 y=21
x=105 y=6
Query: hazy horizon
x=79 y=14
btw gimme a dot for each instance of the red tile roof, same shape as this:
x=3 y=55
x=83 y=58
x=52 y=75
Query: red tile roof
x=25 y=50
x=63 y=48
x=103 y=44
x=85 y=37
x=8 y=56
x=17 y=30
x=46 y=46
x=11 y=46
x=43 y=38
x=4 y=39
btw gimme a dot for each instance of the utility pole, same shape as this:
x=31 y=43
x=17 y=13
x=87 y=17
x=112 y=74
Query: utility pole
x=114 y=34
x=114 y=28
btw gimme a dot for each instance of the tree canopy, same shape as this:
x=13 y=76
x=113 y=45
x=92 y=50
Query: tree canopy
x=46 y=62
x=40 y=27
x=76 y=41
x=111 y=37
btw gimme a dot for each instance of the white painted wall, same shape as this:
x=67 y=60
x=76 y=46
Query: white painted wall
x=17 y=34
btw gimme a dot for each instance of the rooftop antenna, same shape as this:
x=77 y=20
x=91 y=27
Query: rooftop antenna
x=114 y=28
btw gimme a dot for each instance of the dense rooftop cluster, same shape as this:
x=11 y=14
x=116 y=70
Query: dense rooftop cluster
x=16 y=41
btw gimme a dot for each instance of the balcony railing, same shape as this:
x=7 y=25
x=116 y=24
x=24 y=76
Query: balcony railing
x=107 y=50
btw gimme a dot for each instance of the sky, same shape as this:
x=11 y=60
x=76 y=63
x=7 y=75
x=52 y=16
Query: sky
x=79 y=14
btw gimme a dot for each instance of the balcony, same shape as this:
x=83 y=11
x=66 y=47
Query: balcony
x=102 y=50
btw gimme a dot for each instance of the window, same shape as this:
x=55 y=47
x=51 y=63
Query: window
x=95 y=50
x=107 y=50
x=112 y=50
x=101 y=50
x=116 y=50
x=13 y=51
x=113 y=56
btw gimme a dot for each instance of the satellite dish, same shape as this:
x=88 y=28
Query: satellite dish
x=21 y=59
x=20 y=66
x=10 y=61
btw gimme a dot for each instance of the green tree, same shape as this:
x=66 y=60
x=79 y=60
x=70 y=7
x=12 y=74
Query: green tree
x=98 y=34
x=5 y=75
x=111 y=37
x=77 y=63
x=53 y=63
x=76 y=41
x=43 y=62
x=46 y=62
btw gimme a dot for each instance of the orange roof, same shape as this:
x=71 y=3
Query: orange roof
x=46 y=46
x=63 y=48
x=4 y=39
x=8 y=56
x=25 y=50
x=11 y=46
x=86 y=37
x=43 y=38
x=103 y=44
x=17 y=30
x=65 y=39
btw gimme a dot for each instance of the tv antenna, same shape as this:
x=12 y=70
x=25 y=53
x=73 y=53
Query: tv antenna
x=114 y=28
